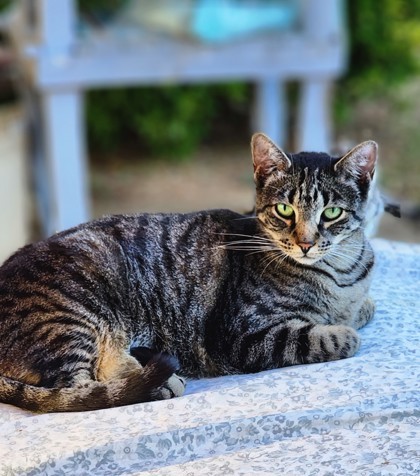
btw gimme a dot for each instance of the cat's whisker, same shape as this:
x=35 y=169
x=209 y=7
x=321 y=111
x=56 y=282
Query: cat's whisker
x=251 y=242
x=276 y=256
x=254 y=243
x=351 y=248
x=253 y=237
x=347 y=259
x=349 y=255
x=248 y=248
x=267 y=265
x=255 y=252
x=281 y=258
x=246 y=218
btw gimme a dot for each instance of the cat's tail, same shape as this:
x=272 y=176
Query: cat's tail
x=155 y=381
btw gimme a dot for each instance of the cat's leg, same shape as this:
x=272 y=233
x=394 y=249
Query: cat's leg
x=175 y=386
x=293 y=342
x=365 y=314
x=117 y=364
x=132 y=371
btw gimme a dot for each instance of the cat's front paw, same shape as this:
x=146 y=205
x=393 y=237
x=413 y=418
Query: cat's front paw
x=365 y=314
x=333 y=343
x=173 y=387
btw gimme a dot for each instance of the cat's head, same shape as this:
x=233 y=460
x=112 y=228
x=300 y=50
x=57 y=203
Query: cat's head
x=308 y=203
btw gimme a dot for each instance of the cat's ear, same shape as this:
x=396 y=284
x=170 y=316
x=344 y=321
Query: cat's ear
x=267 y=157
x=360 y=162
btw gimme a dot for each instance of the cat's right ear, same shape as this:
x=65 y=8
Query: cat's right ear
x=267 y=157
x=360 y=162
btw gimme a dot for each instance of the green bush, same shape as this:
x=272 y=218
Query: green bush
x=166 y=121
x=94 y=6
x=4 y=4
x=384 y=45
x=384 y=38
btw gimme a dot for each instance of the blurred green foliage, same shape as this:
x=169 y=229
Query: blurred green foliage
x=169 y=121
x=99 y=10
x=384 y=40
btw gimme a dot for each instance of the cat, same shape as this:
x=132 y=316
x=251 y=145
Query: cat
x=206 y=293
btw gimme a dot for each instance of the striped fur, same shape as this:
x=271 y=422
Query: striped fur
x=218 y=291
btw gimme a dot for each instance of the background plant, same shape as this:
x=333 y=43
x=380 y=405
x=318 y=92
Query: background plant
x=384 y=38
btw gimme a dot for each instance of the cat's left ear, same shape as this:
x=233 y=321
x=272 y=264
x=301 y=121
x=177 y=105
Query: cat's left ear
x=360 y=162
x=267 y=157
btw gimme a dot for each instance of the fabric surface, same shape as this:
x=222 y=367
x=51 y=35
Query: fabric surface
x=355 y=416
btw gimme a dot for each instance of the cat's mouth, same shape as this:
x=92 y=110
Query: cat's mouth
x=305 y=259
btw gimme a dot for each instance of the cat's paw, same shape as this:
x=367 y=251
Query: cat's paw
x=333 y=343
x=173 y=387
x=162 y=364
x=365 y=314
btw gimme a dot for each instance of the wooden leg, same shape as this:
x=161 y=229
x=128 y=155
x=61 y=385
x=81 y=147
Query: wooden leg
x=269 y=110
x=64 y=148
x=314 y=128
x=39 y=177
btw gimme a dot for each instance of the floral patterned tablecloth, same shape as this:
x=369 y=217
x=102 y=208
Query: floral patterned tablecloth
x=359 y=416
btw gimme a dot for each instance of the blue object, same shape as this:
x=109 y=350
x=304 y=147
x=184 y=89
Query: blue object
x=222 y=20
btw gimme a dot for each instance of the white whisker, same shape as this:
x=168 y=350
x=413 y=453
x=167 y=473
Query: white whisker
x=279 y=256
x=347 y=259
x=246 y=218
x=239 y=235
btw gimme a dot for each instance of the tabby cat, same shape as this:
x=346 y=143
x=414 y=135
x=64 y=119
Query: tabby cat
x=103 y=314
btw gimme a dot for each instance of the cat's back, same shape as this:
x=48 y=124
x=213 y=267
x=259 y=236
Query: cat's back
x=115 y=246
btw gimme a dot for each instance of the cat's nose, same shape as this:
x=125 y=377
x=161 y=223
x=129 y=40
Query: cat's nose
x=305 y=246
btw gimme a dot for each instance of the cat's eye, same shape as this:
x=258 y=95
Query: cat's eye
x=285 y=211
x=332 y=213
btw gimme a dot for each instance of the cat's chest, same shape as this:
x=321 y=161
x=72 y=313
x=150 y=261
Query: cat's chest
x=344 y=293
x=346 y=302
x=323 y=294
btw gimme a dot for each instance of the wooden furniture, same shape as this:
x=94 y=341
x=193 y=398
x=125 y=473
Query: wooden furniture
x=58 y=65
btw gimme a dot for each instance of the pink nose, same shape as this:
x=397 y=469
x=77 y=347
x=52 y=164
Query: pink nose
x=305 y=246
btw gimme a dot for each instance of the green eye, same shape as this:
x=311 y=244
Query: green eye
x=332 y=213
x=285 y=211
